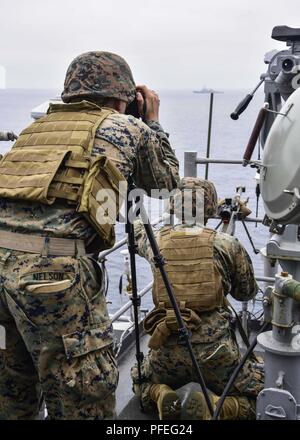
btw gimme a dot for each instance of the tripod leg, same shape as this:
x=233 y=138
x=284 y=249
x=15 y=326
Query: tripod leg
x=256 y=251
x=135 y=298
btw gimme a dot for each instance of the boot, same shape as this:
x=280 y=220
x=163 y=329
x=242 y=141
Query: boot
x=234 y=408
x=194 y=406
x=167 y=401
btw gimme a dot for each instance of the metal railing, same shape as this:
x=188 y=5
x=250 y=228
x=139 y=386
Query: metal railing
x=128 y=305
x=102 y=256
x=147 y=288
x=190 y=169
x=107 y=252
x=191 y=161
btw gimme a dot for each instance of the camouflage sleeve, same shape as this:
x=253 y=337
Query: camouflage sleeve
x=142 y=242
x=156 y=126
x=235 y=267
x=156 y=164
x=243 y=284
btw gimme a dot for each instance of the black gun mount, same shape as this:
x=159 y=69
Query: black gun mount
x=285 y=33
x=281 y=79
x=286 y=62
x=225 y=210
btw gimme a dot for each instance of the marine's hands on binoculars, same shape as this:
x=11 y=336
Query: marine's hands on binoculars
x=148 y=103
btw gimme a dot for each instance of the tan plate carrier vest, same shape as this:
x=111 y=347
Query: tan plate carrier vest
x=52 y=160
x=197 y=283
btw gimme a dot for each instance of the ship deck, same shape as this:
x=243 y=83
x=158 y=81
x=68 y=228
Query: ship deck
x=128 y=406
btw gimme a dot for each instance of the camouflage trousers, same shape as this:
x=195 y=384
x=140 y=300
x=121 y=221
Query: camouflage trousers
x=58 y=338
x=172 y=365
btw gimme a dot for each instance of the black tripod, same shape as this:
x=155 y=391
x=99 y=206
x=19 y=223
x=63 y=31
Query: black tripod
x=159 y=262
x=136 y=300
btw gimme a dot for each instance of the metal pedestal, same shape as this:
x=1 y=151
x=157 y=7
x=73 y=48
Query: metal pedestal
x=281 y=397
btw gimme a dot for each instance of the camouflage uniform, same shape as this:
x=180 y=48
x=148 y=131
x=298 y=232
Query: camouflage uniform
x=57 y=340
x=137 y=148
x=214 y=342
x=53 y=308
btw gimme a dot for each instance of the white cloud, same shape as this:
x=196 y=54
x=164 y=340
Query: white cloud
x=168 y=44
x=2 y=78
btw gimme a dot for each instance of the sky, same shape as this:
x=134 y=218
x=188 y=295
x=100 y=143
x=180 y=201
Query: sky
x=169 y=44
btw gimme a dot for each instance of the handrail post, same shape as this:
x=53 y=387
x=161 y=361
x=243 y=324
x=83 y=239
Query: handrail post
x=211 y=106
x=190 y=164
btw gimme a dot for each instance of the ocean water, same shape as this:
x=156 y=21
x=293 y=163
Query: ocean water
x=184 y=115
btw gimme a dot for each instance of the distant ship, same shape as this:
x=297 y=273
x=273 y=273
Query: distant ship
x=206 y=90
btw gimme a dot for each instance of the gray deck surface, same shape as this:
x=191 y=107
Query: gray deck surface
x=128 y=406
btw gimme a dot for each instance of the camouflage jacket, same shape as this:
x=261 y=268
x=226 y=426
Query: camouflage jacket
x=136 y=148
x=235 y=267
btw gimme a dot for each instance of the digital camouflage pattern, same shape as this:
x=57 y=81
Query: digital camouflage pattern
x=231 y=258
x=213 y=341
x=94 y=75
x=187 y=198
x=134 y=147
x=217 y=360
x=77 y=373
x=58 y=338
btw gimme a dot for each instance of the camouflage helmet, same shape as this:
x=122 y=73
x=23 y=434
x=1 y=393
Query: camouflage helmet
x=98 y=75
x=209 y=192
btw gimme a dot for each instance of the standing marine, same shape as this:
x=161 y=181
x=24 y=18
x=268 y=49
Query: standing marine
x=52 y=181
x=204 y=266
